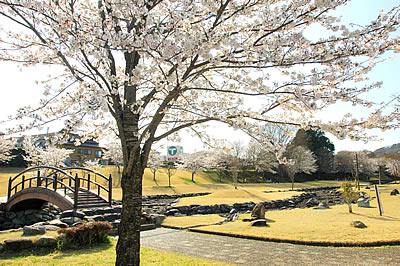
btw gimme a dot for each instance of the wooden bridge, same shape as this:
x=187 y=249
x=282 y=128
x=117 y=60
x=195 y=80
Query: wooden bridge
x=67 y=188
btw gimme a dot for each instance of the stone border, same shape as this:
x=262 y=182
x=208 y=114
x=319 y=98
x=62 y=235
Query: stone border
x=302 y=242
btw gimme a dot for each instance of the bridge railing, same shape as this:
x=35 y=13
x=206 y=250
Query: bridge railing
x=92 y=181
x=60 y=181
x=40 y=176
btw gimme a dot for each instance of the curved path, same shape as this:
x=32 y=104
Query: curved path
x=255 y=252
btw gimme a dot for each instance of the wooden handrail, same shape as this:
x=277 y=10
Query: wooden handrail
x=57 y=177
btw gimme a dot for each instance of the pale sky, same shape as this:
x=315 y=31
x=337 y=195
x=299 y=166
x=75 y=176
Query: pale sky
x=19 y=87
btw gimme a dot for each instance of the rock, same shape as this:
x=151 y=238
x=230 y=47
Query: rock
x=72 y=213
x=233 y=216
x=71 y=220
x=259 y=222
x=18 y=244
x=362 y=202
x=322 y=206
x=358 y=224
x=145 y=227
x=50 y=227
x=311 y=202
x=58 y=223
x=394 y=192
x=110 y=217
x=158 y=219
x=258 y=211
x=34 y=230
x=46 y=241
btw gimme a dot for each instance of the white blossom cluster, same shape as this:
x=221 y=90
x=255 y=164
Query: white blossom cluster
x=36 y=155
x=6 y=145
x=161 y=66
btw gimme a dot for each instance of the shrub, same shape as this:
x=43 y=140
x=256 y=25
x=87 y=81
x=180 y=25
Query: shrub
x=349 y=194
x=84 y=235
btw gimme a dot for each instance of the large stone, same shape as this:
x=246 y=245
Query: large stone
x=110 y=217
x=71 y=220
x=258 y=211
x=322 y=206
x=46 y=241
x=394 y=192
x=358 y=224
x=362 y=202
x=34 y=230
x=72 y=213
x=158 y=219
x=18 y=244
x=259 y=222
x=58 y=223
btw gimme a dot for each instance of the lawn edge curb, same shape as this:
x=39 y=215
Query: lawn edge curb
x=302 y=242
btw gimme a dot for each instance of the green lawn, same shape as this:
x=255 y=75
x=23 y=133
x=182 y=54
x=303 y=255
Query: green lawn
x=330 y=225
x=100 y=255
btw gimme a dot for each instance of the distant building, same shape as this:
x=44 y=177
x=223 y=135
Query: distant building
x=88 y=150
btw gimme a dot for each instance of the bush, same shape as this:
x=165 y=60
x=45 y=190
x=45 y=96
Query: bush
x=349 y=194
x=84 y=235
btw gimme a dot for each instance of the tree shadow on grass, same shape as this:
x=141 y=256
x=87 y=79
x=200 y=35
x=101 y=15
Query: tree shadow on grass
x=381 y=218
x=42 y=252
x=79 y=251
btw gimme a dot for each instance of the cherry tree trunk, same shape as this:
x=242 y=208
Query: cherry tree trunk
x=128 y=247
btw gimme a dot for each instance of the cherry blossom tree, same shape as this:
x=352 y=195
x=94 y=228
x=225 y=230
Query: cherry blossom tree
x=154 y=163
x=50 y=155
x=92 y=164
x=394 y=168
x=194 y=162
x=114 y=153
x=147 y=69
x=299 y=159
x=6 y=146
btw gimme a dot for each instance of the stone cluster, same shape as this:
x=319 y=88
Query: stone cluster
x=310 y=198
x=9 y=220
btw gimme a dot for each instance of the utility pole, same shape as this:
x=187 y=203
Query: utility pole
x=357 y=173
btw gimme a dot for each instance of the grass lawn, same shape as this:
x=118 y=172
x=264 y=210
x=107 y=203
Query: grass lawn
x=240 y=195
x=181 y=183
x=100 y=255
x=330 y=225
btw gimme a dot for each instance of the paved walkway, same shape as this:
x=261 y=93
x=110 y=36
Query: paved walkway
x=254 y=252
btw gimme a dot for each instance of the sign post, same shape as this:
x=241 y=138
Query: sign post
x=378 y=198
x=173 y=153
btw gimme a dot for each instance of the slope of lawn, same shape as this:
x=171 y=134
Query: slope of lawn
x=330 y=225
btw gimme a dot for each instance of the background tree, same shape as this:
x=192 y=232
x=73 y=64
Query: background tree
x=160 y=66
x=194 y=162
x=320 y=145
x=154 y=163
x=266 y=158
x=91 y=164
x=299 y=159
x=170 y=170
x=114 y=153
x=394 y=168
x=345 y=162
x=48 y=155
x=6 y=147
